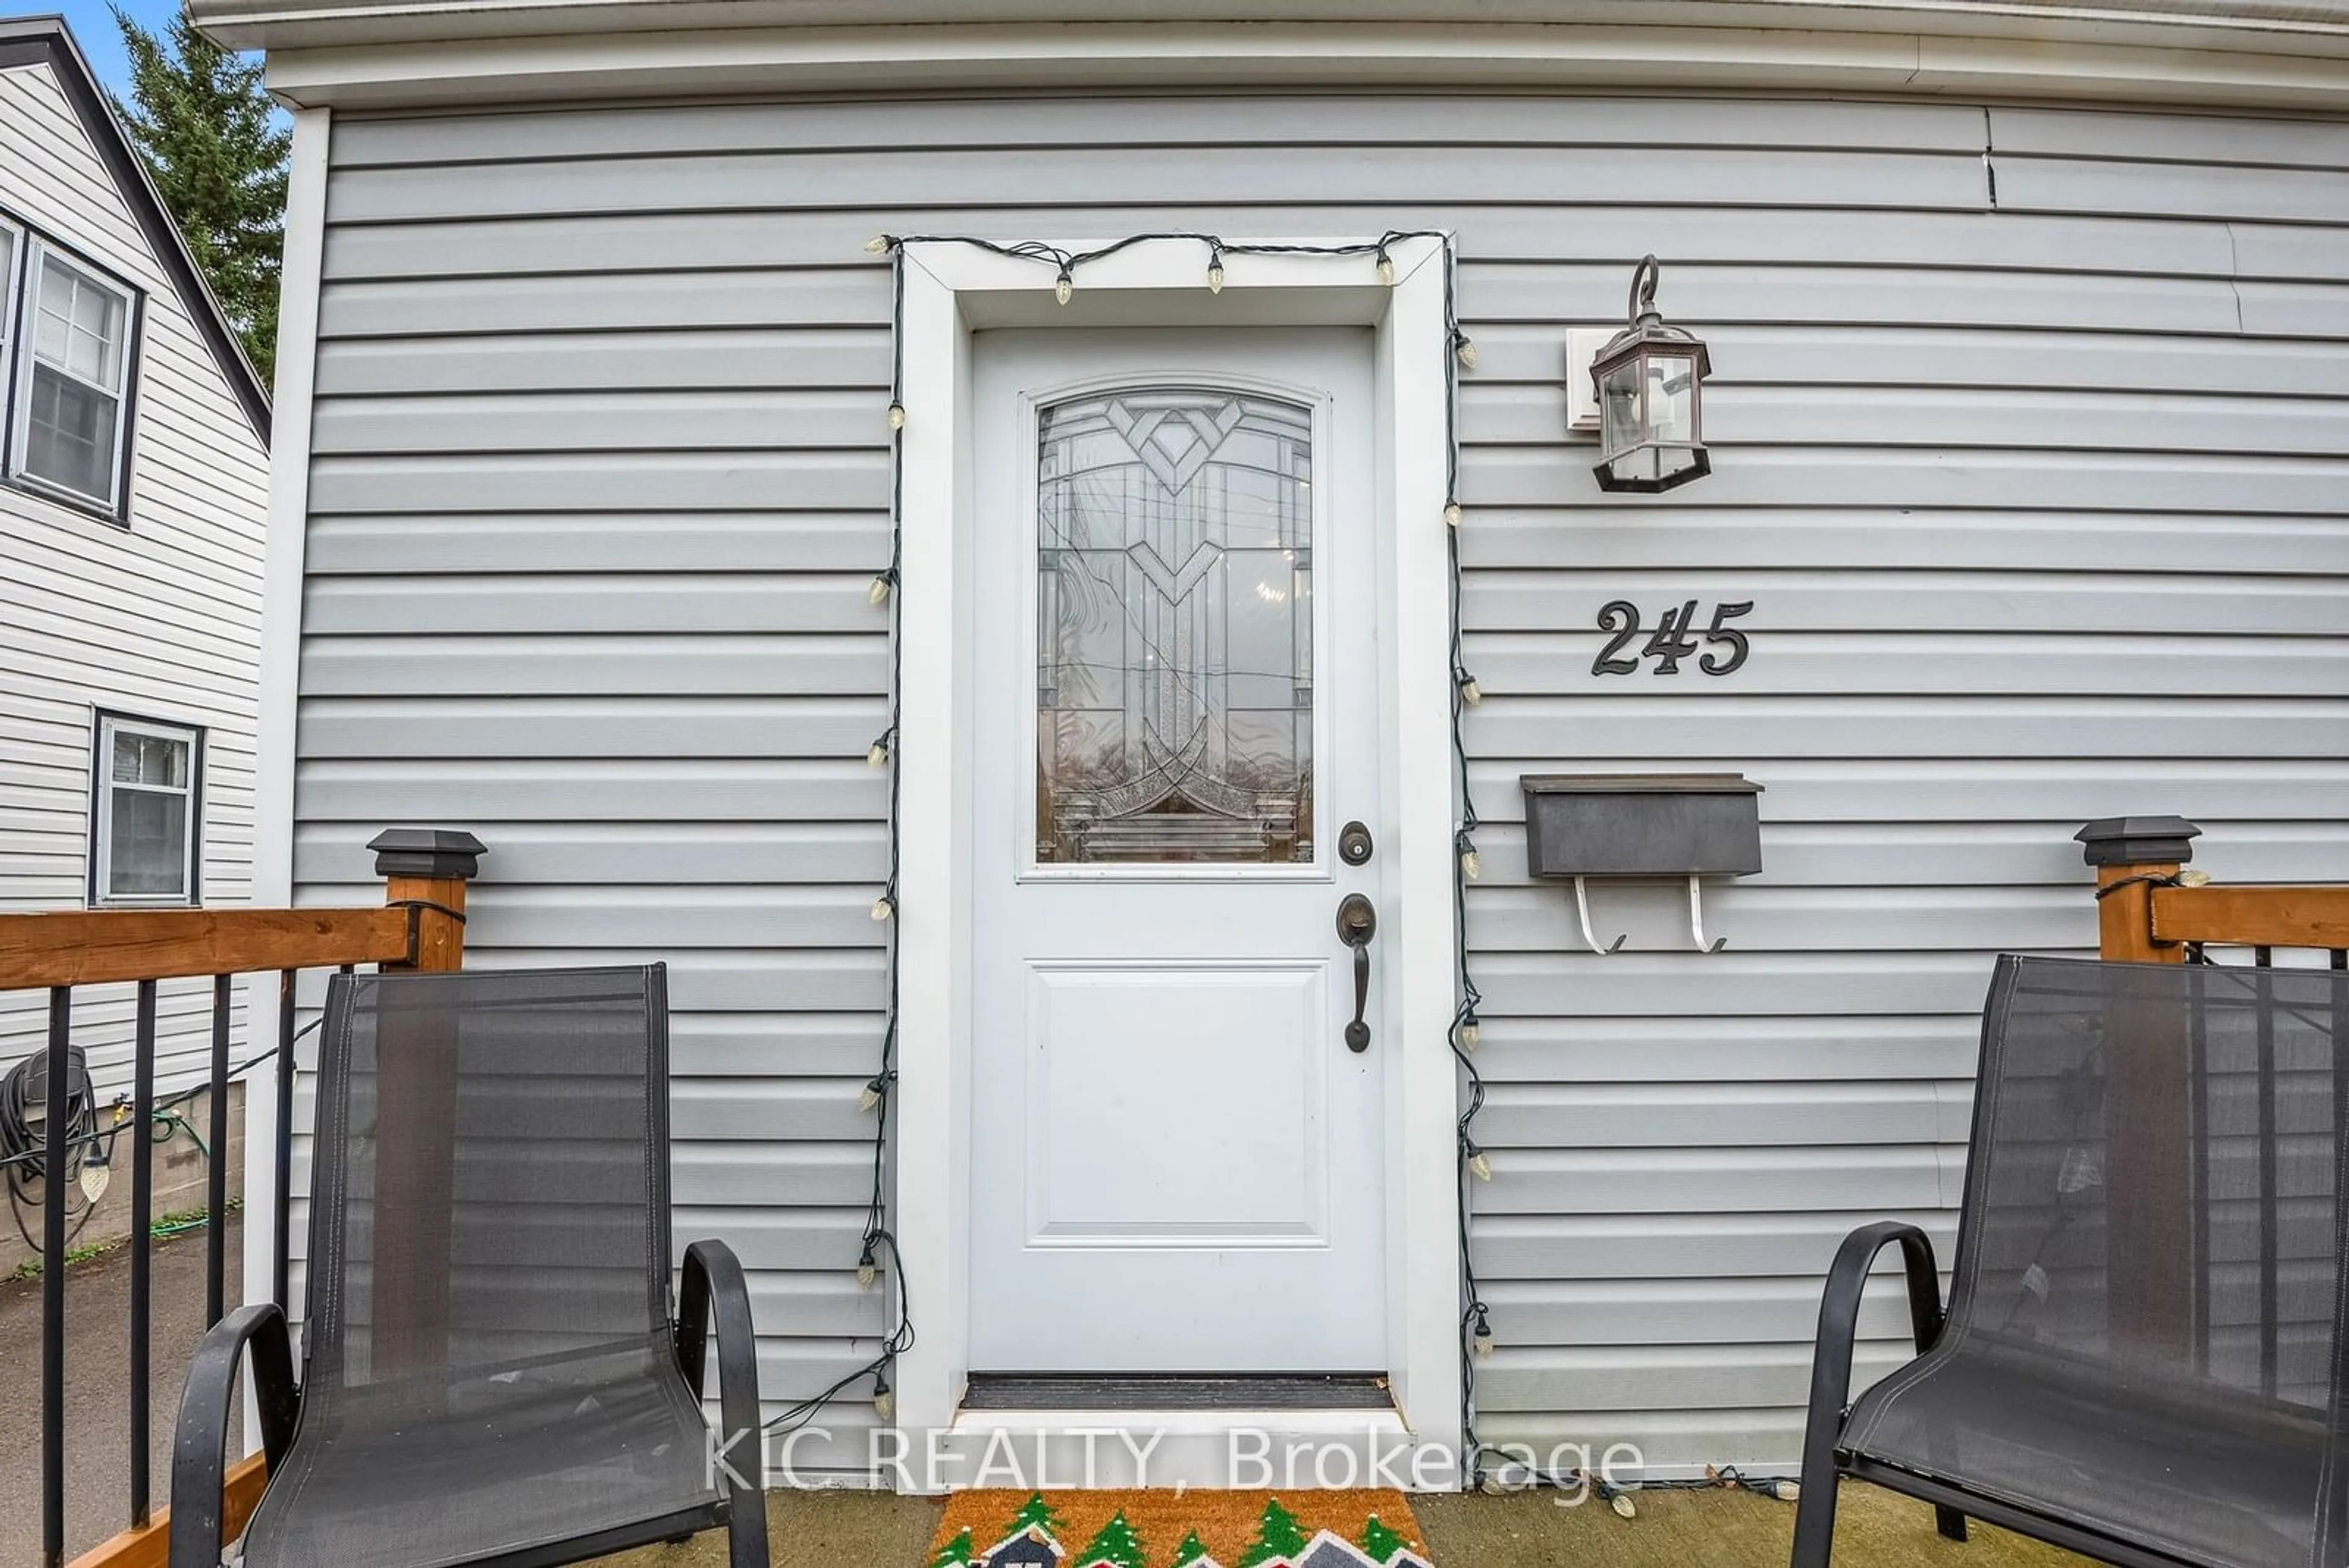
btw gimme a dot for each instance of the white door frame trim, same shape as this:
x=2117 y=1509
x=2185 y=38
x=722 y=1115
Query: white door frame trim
x=951 y=290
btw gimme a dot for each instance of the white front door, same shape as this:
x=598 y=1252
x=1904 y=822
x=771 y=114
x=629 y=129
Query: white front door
x=1176 y=1154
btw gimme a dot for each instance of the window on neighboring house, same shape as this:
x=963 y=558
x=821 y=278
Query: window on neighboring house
x=70 y=381
x=11 y=254
x=147 y=827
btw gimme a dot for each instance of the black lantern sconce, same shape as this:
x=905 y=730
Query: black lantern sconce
x=1650 y=382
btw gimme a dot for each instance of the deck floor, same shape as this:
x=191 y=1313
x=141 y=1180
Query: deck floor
x=872 y=1530
x=1674 y=1530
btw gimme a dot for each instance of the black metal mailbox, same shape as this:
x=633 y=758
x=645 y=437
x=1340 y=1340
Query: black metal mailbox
x=1641 y=825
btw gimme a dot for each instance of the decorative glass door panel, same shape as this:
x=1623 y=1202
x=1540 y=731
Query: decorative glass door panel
x=1174 y=628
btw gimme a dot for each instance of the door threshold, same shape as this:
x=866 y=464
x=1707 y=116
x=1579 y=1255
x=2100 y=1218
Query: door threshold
x=1153 y=1442
x=1297 y=1431
x=1004 y=1391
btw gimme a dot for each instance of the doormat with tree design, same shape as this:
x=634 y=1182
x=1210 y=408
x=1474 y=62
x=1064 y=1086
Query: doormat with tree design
x=1364 y=1528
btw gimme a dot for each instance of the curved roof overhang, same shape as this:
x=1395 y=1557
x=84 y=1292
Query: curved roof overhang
x=2260 y=53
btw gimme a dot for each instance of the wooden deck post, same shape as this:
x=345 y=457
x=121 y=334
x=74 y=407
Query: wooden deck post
x=2133 y=855
x=425 y=872
x=2148 y=1096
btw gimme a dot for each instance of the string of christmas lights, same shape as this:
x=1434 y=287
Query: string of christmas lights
x=879 y=1246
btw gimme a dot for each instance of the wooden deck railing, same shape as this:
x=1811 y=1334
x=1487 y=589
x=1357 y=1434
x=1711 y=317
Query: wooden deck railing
x=420 y=925
x=2151 y=909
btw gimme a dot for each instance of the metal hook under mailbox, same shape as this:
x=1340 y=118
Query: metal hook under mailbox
x=1696 y=920
x=1582 y=911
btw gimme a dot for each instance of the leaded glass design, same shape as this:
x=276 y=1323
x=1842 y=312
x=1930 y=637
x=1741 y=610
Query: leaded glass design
x=1175 y=638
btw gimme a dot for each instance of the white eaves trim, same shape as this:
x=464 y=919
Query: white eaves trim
x=397 y=53
x=1160 y=55
x=277 y=24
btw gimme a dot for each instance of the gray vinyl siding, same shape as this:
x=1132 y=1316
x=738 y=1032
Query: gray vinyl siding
x=2040 y=502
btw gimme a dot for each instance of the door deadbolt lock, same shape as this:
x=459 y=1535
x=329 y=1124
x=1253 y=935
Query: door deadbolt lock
x=1354 y=844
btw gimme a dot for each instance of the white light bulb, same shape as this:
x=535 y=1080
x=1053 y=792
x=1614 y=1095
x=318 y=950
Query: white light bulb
x=1483 y=1342
x=896 y=416
x=876 y=244
x=1467 y=353
x=2194 y=878
x=883 y=907
x=1214 y=277
x=1452 y=514
x=1470 y=1035
x=1063 y=287
x=1386 y=269
x=1469 y=692
x=867 y=1098
x=878 y=593
x=865 y=1273
x=876 y=754
x=884 y=1405
x=1480 y=1167
x=1623 y=1504
x=1471 y=866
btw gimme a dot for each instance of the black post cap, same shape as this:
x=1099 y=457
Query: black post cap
x=426 y=852
x=2137 y=841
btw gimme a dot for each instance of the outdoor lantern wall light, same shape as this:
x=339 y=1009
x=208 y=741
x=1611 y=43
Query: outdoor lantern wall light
x=1650 y=380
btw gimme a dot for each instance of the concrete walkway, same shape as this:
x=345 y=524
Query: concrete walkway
x=98 y=1397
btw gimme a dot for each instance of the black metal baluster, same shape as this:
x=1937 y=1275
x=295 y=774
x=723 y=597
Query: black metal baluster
x=216 y=1177
x=2263 y=982
x=55 y=1153
x=143 y=1221
x=2198 y=1036
x=2339 y=1065
x=284 y=1219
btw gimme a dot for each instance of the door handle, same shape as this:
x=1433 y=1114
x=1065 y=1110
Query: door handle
x=1357 y=923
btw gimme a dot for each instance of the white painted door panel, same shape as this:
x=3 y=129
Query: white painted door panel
x=1176 y=1163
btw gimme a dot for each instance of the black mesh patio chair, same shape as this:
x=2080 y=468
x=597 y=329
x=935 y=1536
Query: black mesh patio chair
x=492 y=1374
x=2142 y=1356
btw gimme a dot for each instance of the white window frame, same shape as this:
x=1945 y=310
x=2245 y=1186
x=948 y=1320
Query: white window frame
x=20 y=245
x=102 y=825
x=35 y=252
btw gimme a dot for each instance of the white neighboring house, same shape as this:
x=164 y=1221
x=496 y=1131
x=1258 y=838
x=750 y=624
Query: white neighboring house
x=133 y=487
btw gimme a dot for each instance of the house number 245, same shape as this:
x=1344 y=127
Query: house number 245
x=1672 y=641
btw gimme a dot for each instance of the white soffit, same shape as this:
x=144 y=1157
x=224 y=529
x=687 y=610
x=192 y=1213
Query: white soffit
x=292 y=24
x=2249 y=53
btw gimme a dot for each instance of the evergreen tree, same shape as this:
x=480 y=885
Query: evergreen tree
x=1116 y=1543
x=217 y=150
x=1379 y=1542
x=1190 y=1551
x=1034 y=1514
x=1277 y=1535
x=955 y=1554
